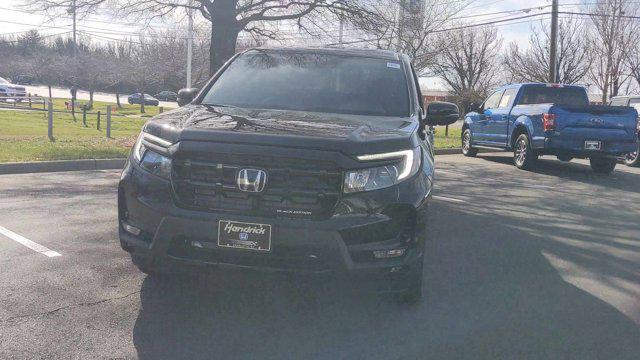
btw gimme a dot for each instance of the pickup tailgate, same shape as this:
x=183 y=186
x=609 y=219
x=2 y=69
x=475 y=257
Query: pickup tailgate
x=613 y=126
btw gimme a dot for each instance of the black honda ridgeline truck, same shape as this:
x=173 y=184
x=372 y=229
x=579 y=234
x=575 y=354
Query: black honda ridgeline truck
x=305 y=160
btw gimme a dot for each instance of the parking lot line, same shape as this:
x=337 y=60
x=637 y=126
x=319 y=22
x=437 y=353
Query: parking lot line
x=444 y=198
x=28 y=243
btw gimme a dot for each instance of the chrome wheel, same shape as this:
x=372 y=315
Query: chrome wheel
x=467 y=148
x=631 y=159
x=521 y=152
x=466 y=142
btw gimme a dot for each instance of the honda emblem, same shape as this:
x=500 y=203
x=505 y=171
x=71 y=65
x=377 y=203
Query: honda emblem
x=251 y=180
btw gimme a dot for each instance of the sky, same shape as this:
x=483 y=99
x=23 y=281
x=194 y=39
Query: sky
x=14 y=20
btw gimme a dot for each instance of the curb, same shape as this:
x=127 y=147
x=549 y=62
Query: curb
x=98 y=164
x=447 y=151
x=61 y=165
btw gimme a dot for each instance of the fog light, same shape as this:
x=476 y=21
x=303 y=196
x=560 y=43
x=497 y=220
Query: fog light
x=131 y=229
x=385 y=254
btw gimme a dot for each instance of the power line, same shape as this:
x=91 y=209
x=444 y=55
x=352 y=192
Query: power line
x=388 y=38
x=41 y=37
x=503 y=12
x=632 y=17
x=489 y=22
x=87 y=19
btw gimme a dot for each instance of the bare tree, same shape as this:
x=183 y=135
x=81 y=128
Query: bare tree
x=632 y=59
x=227 y=17
x=612 y=34
x=410 y=26
x=532 y=64
x=468 y=61
x=141 y=72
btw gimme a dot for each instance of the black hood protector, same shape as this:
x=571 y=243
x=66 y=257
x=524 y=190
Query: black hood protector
x=349 y=134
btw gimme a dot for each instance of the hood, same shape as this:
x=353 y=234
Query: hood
x=350 y=134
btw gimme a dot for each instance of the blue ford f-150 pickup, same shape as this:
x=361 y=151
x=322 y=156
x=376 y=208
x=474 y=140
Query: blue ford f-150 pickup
x=550 y=119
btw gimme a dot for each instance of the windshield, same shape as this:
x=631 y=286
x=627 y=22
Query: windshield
x=313 y=82
x=554 y=95
x=3 y=81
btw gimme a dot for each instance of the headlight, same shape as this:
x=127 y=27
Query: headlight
x=138 y=149
x=383 y=176
x=156 y=164
x=150 y=160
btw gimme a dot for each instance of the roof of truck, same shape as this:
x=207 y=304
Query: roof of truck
x=541 y=84
x=370 y=53
x=625 y=97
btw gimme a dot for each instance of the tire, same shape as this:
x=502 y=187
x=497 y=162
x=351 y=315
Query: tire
x=524 y=157
x=603 y=165
x=467 y=149
x=143 y=265
x=564 y=158
x=633 y=159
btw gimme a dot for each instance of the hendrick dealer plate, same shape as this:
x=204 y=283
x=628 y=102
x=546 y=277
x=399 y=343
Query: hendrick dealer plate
x=241 y=235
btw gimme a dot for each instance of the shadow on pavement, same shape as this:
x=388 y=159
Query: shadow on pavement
x=621 y=179
x=494 y=295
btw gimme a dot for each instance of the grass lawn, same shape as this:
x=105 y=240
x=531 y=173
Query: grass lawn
x=23 y=137
x=126 y=109
x=452 y=141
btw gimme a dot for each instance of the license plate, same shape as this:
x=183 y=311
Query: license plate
x=592 y=145
x=241 y=235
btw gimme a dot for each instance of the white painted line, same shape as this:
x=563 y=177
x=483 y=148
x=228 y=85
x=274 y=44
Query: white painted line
x=28 y=243
x=444 y=198
x=445 y=172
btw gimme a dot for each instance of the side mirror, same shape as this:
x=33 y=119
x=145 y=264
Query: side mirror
x=442 y=113
x=474 y=107
x=187 y=95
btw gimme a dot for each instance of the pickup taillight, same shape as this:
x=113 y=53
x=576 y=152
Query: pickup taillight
x=549 y=122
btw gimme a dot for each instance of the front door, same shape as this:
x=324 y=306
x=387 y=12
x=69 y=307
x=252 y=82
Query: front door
x=481 y=130
x=498 y=125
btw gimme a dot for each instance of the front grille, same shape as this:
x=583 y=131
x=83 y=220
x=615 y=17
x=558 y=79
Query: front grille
x=295 y=187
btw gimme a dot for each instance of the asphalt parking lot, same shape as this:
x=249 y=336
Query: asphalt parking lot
x=542 y=264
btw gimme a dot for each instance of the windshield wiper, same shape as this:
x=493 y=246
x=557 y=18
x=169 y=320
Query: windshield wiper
x=223 y=105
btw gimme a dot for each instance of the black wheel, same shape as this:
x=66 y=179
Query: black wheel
x=565 y=158
x=603 y=165
x=524 y=157
x=467 y=149
x=143 y=265
x=632 y=159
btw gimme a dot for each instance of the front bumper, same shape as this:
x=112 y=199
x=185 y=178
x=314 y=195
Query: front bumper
x=342 y=245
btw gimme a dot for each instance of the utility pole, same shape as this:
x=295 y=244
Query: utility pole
x=400 y=19
x=553 y=76
x=189 y=45
x=340 y=31
x=75 y=44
